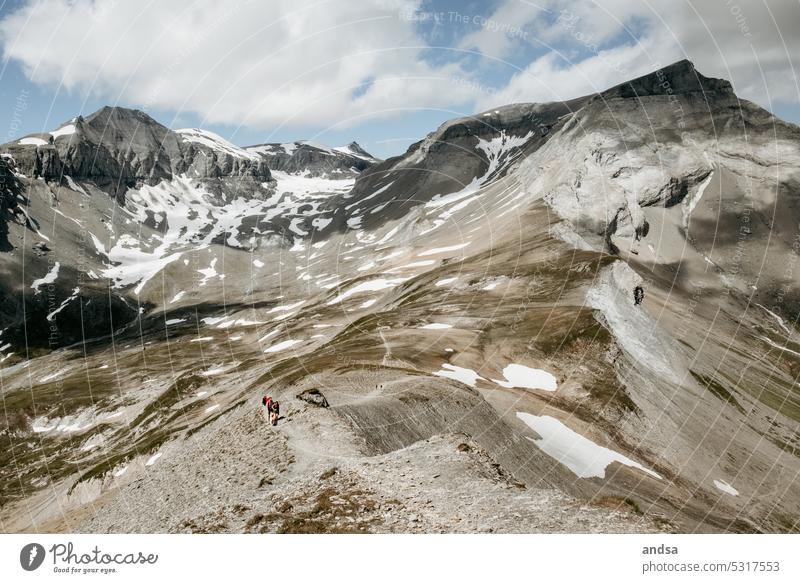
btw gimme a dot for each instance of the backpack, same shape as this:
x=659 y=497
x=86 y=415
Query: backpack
x=264 y=401
x=276 y=407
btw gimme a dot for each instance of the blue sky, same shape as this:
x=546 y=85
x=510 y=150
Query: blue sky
x=381 y=72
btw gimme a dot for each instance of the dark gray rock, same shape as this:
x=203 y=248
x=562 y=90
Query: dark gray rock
x=446 y=161
x=10 y=189
x=314 y=397
x=675 y=79
x=10 y=185
x=41 y=248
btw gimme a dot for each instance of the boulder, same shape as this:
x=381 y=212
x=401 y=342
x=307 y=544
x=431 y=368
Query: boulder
x=314 y=397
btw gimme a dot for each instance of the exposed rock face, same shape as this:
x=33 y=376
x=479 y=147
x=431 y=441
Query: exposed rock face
x=117 y=148
x=678 y=141
x=10 y=185
x=452 y=158
x=10 y=188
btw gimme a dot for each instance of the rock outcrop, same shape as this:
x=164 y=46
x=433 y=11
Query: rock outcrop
x=314 y=397
x=10 y=189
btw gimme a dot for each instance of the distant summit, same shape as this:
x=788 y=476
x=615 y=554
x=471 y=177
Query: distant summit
x=315 y=159
x=678 y=78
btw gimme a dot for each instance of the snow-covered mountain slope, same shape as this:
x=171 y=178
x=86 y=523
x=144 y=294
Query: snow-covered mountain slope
x=315 y=159
x=215 y=142
x=472 y=299
x=174 y=192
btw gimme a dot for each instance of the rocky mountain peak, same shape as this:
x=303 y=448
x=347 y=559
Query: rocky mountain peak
x=356 y=149
x=117 y=148
x=678 y=78
x=115 y=114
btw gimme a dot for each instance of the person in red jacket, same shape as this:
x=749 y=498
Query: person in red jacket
x=272 y=407
x=267 y=402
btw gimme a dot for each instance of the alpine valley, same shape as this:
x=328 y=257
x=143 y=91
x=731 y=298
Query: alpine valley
x=452 y=333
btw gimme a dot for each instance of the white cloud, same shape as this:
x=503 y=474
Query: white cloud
x=499 y=33
x=294 y=62
x=549 y=78
x=318 y=63
x=594 y=45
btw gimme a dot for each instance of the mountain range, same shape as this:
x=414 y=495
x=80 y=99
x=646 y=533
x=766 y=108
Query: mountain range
x=454 y=334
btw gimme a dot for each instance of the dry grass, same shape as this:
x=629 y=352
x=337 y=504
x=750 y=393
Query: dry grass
x=336 y=509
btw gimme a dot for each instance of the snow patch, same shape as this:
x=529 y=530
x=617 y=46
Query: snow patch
x=269 y=335
x=778 y=319
x=282 y=346
x=518 y=375
x=465 y=375
x=319 y=223
x=286 y=308
x=778 y=346
x=388 y=236
x=374 y=194
x=302 y=185
x=51 y=316
x=438 y=250
x=582 y=456
x=33 y=142
x=79 y=421
x=366 y=286
x=690 y=203
x=50 y=277
x=74 y=186
x=209 y=272
x=724 y=486
x=66 y=130
x=153 y=458
x=215 y=142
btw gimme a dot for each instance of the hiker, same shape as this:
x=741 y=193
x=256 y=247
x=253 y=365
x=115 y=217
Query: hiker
x=266 y=401
x=274 y=412
x=638 y=295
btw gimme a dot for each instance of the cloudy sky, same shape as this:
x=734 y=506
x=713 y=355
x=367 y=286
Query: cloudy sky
x=382 y=72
